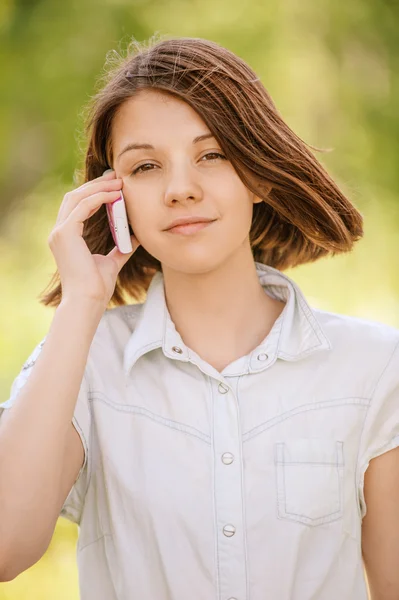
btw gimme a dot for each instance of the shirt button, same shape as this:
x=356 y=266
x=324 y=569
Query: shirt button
x=177 y=349
x=227 y=458
x=229 y=530
x=223 y=389
x=262 y=356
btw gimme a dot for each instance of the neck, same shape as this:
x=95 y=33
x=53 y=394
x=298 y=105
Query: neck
x=221 y=314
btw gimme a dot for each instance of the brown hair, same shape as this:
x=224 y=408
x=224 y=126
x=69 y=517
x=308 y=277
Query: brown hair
x=303 y=216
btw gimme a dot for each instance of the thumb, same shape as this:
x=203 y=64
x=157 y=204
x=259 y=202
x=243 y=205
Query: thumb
x=121 y=258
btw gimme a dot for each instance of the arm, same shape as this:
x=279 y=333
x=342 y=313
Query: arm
x=380 y=529
x=40 y=451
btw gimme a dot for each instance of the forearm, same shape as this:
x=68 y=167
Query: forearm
x=33 y=438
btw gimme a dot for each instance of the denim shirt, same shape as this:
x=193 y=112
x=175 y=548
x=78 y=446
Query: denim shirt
x=244 y=484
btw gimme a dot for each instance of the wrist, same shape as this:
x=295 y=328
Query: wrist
x=88 y=306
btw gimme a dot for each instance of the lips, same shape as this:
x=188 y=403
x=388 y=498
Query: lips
x=188 y=220
x=189 y=228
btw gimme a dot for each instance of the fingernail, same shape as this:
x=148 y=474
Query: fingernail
x=108 y=171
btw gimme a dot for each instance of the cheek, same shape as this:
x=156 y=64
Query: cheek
x=146 y=227
x=138 y=211
x=238 y=207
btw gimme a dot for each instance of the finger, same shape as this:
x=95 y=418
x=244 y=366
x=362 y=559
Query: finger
x=121 y=258
x=109 y=174
x=106 y=176
x=89 y=205
x=73 y=199
x=93 y=187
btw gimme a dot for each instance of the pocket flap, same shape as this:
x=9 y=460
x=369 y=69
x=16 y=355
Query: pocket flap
x=305 y=450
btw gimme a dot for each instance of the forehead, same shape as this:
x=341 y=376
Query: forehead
x=155 y=113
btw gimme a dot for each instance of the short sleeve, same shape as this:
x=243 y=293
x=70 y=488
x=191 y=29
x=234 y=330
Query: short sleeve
x=381 y=426
x=73 y=505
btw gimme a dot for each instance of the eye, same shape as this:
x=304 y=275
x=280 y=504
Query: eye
x=141 y=168
x=210 y=156
x=214 y=155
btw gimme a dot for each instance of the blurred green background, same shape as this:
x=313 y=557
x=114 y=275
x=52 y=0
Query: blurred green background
x=331 y=68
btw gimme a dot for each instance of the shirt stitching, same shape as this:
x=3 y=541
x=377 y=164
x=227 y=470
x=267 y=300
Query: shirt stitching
x=282 y=497
x=243 y=497
x=300 y=409
x=299 y=354
x=215 y=517
x=188 y=429
x=94 y=541
x=309 y=314
x=143 y=350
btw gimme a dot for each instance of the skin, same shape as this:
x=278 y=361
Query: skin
x=212 y=290
x=211 y=287
x=380 y=529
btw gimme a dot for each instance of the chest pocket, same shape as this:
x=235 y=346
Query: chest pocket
x=310 y=480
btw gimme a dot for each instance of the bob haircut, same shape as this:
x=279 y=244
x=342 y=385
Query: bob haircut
x=303 y=215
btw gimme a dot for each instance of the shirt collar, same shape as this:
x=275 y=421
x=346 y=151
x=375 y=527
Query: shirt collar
x=295 y=334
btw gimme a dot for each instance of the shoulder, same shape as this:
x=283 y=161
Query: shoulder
x=115 y=328
x=354 y=327
x=123 y=316
x=359 y=340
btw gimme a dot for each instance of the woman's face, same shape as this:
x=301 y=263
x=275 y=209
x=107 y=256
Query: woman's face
x=176 y=176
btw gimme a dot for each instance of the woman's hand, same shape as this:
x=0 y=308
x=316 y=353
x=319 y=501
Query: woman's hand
x=85 y=275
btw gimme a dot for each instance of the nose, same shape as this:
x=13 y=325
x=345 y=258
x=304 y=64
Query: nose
x=182 y=186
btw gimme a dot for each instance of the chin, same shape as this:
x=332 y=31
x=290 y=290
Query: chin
x=193 y=258
x=193 y=265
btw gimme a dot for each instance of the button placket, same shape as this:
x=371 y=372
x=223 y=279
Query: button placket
x=228 y=494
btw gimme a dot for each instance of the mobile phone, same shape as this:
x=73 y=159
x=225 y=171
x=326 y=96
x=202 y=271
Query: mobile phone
x=117 y=218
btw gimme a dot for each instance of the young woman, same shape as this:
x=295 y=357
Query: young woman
x=217 y=438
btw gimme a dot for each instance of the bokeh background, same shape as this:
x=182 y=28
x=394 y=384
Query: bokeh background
x=332 y=70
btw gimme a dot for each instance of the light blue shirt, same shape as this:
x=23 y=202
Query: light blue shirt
x=240 y=485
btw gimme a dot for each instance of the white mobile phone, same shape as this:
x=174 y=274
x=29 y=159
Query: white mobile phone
x=119 y=225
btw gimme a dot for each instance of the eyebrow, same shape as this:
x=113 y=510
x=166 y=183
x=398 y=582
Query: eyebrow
x=132 y=146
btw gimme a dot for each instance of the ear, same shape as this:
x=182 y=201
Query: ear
x=265 y=188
